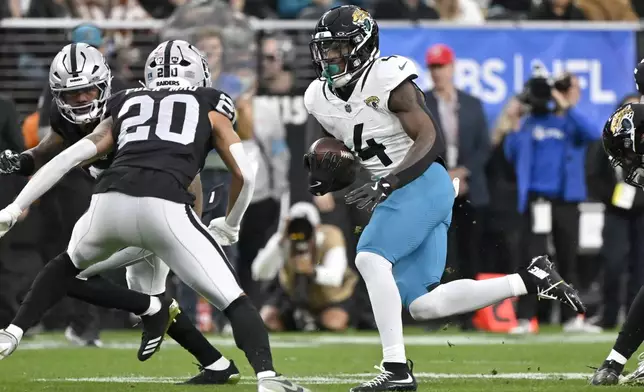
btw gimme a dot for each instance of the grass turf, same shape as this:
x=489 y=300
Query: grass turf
x=446 y=361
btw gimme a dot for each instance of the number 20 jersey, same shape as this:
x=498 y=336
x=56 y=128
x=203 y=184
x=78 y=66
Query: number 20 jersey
x=162 y=137
x=364 y=123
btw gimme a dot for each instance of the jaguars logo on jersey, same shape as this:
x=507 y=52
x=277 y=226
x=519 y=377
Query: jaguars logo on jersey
x=372 y=101
x=622 y=120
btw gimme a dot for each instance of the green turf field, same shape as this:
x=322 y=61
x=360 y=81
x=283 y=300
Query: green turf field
x=446 y=361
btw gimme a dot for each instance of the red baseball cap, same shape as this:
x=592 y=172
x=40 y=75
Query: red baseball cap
x=439 y=54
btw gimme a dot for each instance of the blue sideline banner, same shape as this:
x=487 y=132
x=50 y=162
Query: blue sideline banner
x=493 y=64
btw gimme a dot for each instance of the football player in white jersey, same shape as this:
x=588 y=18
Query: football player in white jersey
x=373 y=106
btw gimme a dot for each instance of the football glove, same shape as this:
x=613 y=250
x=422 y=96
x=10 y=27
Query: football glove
x=322 y=173
x=8 y=217
x=9 y=162
x=224 y=233
x=370 y=195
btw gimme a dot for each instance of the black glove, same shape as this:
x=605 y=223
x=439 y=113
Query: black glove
x=322 y=173
x=370 y=194
x=639 y=77
x=9 y=162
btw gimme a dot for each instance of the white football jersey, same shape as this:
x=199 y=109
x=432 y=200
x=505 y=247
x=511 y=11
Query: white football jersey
x=364 y=123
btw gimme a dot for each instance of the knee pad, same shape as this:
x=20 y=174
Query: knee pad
x=429 y=306
x=369 y=263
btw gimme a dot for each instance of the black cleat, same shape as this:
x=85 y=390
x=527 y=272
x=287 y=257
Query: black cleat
x=550 y=285
x=216 y=377
x=389 y=381
x=155 y=327
x=607 y=374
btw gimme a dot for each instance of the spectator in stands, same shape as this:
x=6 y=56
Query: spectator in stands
x=314 y=285
x=52 y=9
x=11 y=9
x=508 y=9
x=403 y=9
x=622 y=250
x=611 y=10
x=548 y=154
x=556 y=10
x=277 y=55
x=502 y=233
x=460 y=11
x=462 y=120
x=316 y=9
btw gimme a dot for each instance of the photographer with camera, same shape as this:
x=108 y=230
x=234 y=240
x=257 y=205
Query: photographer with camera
x=314 y=285
x=548 y=154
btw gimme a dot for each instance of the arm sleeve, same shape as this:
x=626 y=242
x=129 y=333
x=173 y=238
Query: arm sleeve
x=269 y=260
x=330 y=272
x=334 y=265
x=54 y=170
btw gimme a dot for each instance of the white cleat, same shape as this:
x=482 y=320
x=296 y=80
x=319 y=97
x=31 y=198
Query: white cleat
x=8 y=344
x=580 y=325
x=278 y=383
x=637 y=376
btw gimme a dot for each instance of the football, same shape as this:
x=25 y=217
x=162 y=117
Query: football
x=345 y=175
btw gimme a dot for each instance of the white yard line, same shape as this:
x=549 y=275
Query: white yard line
x=339 y=379
x=307 y=341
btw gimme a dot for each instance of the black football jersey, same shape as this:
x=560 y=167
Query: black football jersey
x=71 y=133
x=162 y=137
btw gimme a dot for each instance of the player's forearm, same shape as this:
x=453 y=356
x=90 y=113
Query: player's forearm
x=242 y=185
x=427 y=147
x=53 y=171
x=244 y=124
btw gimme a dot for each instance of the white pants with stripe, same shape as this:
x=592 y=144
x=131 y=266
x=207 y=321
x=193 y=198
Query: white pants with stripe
x=144 y=271
x=172 y=231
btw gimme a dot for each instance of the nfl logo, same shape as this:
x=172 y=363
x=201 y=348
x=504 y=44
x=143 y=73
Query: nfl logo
x=347 y=107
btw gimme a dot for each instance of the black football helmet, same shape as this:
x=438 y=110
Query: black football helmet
x=345 y=42
x=623 y=140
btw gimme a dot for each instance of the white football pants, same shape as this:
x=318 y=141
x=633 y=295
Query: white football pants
x=144 y=271
x=170 y=230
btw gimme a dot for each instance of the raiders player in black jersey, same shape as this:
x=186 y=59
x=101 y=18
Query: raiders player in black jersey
x=74 y=114
x=160 y=135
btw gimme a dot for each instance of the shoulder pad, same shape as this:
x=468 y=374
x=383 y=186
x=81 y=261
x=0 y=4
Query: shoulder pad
x=393 y=70
x=312 y=93
x=114 y=102
x=218 y=101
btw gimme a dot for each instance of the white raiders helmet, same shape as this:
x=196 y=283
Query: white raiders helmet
x=176 y=63
x=80 y=81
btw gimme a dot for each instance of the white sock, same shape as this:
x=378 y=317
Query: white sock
x=386 y=304
x=15 y=331
x=465 y=295
x=617 y=357
x=155 y=306
x=266 y=373
x=220 y=364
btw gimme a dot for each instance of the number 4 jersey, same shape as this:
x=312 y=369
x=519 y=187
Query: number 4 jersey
x=162 y=137
x=364 y=123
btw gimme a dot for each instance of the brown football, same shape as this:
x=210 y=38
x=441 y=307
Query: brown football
x=346 y=173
